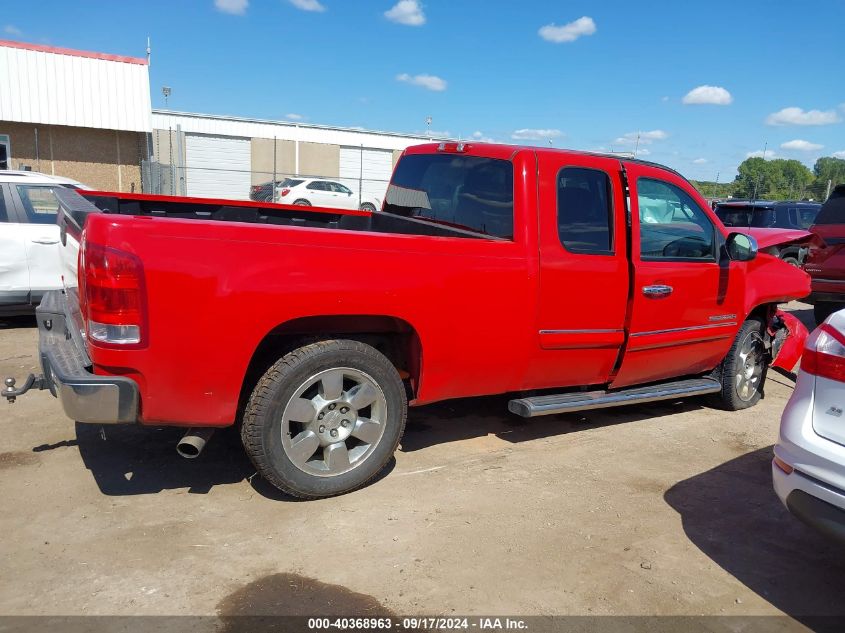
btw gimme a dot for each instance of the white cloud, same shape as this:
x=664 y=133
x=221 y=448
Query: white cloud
x=235 y=7
x=294 y=117
x=708 y=95
x=642 y=151
x=534 y=134
x=568 y=32
x=646 y=138
x=664 y=99
x=308 y=5
x=479 y=136
x=759 y=154
x=840 y=154
x=407 y=12
x=429 y=82
x=11 y=29
x=801 y=145
x=699 y=161
x=797 y=116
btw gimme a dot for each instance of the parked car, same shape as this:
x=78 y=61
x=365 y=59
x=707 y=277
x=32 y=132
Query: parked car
x=266 y=191
x=29 y=238
x=316 y=192
x=826 y=260
x=762 y=215
x=808 y=469
x=491 y=269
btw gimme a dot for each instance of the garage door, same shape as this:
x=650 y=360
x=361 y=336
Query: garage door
x=370 y=167
x=217 y=166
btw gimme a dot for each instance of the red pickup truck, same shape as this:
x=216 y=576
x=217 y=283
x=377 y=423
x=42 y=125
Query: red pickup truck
x=570 y=280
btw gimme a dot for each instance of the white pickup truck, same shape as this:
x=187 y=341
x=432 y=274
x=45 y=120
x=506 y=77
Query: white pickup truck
x=29 y=238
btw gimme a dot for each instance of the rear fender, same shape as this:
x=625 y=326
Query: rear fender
x=788 y=336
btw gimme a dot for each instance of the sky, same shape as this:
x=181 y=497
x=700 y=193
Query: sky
x=702 y=85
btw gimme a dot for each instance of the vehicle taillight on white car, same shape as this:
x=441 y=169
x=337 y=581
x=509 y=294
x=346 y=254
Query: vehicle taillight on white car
x=113 y=295
x=824 y=354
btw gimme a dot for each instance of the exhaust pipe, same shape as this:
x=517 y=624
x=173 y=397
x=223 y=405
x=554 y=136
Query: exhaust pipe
x=191 y=445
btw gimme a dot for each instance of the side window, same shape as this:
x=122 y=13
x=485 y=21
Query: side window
x=585 y=211
x=342 y=188
x=4 y=216
x=317 y=185
x=807 y=216
x=40 y=203
x=672 y=225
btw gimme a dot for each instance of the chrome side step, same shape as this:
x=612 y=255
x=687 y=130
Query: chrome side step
x=567 y=402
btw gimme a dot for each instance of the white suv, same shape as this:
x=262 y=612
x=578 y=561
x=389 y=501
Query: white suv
x=809 y=465
x=320 y=192
x=29 y=238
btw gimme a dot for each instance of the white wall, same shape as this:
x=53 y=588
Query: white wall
x=61 y=87
x=282 y=130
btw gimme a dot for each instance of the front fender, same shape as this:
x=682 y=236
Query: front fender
x=788 y=353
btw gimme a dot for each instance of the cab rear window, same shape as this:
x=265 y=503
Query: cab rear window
x=469 y=192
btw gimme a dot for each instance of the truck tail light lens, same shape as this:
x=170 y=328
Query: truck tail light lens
x=114 y=295
x=284 y=192
x=824 y=354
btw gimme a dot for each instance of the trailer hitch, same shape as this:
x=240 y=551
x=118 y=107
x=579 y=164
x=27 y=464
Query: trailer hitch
x=32 y=382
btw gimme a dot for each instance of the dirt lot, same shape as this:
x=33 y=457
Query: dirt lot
x=659 y=509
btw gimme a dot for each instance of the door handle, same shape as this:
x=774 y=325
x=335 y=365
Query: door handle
x=658 y=291
x=45 y=240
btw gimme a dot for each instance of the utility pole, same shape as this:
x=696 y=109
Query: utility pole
x=827 y=193
x=637 y=146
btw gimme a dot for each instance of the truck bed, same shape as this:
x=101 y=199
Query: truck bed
x=250 y=212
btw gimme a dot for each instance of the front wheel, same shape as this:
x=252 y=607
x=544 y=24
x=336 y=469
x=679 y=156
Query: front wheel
x=744 y=368
x=367 y=206
x=325 y=419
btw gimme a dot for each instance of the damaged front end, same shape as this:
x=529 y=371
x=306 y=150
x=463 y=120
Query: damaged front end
x=785 y=340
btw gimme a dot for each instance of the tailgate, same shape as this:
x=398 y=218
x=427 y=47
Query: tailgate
x=73 y=211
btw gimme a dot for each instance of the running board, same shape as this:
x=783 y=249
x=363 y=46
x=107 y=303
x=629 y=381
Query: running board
x=568 y=402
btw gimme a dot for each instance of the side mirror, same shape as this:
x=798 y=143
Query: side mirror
x=741 y=247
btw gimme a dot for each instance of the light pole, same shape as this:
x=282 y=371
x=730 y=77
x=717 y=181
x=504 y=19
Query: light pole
x=165 y=90
x=428 y=126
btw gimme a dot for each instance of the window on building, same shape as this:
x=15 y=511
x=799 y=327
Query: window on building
x=585 y=210
x=40 y=203
x=672 y=225
x=5 y=152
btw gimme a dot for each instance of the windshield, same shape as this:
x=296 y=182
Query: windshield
x=746 y=215
x=465 y=191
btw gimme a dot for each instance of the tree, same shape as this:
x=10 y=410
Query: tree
x=776 y=179
x=830 y=168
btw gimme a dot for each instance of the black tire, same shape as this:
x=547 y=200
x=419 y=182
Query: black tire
x=792 y=261
x=302 y=203
x=730 y=398
x=823 y=310
x=261 y=431
x=368 y=207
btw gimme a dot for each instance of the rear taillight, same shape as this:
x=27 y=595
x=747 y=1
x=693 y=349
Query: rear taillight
x=256 y=188
x=824 y=354
x=284 y=192
x=114 y=295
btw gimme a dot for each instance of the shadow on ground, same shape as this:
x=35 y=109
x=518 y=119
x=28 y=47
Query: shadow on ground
x=732 y=515
x=134 y=460
x=17 y=322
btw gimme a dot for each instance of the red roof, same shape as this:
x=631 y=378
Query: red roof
x=70 y=51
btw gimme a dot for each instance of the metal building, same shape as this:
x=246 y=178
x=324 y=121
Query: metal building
x=223 y=156
x=76 y=113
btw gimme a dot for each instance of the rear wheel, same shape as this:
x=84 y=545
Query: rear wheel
x=744 y=368
x=368 y=207
x=325 y=419
x=302 y=203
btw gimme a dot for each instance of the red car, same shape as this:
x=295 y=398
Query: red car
x=826 y=261
x=570 y=280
